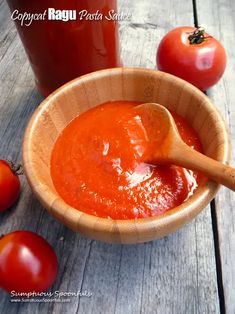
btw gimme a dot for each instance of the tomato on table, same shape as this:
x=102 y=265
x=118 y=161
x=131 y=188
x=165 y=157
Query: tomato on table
x=27 y=262
x=9 y=185
x=193 y=55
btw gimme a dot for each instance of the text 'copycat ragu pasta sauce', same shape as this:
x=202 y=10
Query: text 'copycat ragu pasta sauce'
x=65 y=39
x=97 y=167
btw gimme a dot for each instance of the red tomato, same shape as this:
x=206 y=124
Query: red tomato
x=27 y=262
x=192 y=55
x=9 y=186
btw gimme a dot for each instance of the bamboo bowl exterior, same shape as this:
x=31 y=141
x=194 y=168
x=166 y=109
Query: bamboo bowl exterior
x=133 y=84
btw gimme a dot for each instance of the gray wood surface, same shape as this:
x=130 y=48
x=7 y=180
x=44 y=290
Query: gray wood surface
x=219 y=19
x=176 y=274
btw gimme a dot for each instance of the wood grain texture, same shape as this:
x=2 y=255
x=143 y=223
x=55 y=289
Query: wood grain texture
x=131 y=84
x=218 y=18
x=173 y=275
x=171 y=148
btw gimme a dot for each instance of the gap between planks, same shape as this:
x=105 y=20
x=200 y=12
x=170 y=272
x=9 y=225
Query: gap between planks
x=213 y=216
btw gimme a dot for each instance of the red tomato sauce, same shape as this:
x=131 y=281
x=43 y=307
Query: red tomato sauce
x=96 y=165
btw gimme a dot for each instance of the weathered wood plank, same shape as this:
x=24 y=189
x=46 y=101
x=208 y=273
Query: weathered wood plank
x=218 y=18
x=7 y=30
x=173 y=275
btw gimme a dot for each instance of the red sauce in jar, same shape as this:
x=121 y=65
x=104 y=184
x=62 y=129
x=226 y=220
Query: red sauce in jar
x=60 y=51
x=97 y=167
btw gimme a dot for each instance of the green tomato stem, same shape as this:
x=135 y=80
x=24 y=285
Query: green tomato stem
x=197 y=37
x=16 y=169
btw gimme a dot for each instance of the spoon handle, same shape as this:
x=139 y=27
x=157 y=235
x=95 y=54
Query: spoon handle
x=191 y=159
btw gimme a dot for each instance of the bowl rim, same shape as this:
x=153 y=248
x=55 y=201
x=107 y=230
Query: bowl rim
x=187 y=210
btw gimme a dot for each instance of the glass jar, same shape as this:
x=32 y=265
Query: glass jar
x=61 y=50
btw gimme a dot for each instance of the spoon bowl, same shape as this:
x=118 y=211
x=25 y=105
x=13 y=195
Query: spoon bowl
x=168 y=146
x=131 y=84
x=161 y=131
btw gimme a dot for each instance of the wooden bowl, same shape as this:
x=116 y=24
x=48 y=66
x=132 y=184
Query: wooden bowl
x=133 y=84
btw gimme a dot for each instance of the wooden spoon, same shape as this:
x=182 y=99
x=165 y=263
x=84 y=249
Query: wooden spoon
x=166 y=146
